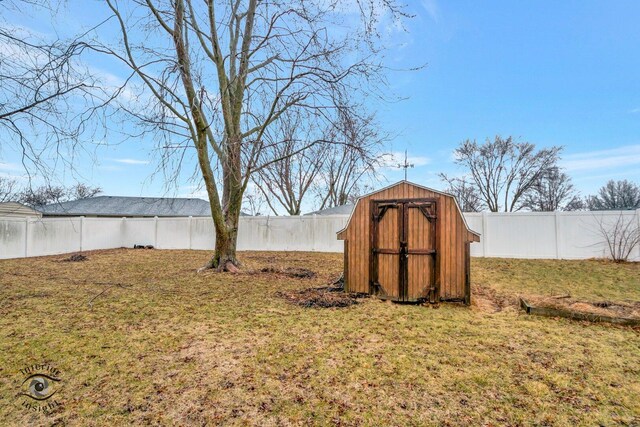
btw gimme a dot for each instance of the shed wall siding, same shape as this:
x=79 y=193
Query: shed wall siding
x=452 y=236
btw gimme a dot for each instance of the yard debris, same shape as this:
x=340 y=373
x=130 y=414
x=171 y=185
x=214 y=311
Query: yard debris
x=339 y=282
x=75 y=258
x=603 y=304
x=108 y=287
x=322 y=297
x=294 y=272
x=142 y=246
x=561 y=296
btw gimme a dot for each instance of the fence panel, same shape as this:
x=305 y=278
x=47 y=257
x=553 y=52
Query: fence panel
x=13 y=232
x=52 y=236
x=173 y=233
x=102 y=233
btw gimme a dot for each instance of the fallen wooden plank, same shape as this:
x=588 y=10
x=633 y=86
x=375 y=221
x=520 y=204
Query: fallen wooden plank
x=575 y=315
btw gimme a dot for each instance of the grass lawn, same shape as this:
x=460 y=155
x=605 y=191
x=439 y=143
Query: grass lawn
x=589 y=280
x=140 y=338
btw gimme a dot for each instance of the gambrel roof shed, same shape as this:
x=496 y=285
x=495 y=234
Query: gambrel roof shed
x=407 y=242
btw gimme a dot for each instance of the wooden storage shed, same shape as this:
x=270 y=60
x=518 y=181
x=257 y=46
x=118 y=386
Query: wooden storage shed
x=407 y=242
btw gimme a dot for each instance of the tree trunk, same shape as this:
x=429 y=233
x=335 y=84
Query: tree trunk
x=226 y=222
x=224 y=257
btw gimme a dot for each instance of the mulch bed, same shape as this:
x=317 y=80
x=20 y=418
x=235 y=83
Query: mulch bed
x=323 y=297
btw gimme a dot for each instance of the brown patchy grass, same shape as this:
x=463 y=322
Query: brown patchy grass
x=160 y=344
x=591 y=280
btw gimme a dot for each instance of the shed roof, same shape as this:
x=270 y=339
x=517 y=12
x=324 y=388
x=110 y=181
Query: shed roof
x=17 y=209
x=129 y=206
x=415 y=185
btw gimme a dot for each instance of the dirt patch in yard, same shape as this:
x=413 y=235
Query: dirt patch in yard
x=294 y=272
x=323 y=297
x=490 y=300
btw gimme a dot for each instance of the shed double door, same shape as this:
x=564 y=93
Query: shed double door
x=403 y=249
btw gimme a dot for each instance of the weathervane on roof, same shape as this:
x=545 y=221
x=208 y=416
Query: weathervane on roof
x=406 y=165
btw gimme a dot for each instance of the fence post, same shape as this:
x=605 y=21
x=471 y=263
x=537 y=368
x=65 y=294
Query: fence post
x=155 y=233
x=26 y=236
x=485 y=233
x=638 y=218
x=313 y=232
x=190 y=221
x=557 y=228
x=81 y=232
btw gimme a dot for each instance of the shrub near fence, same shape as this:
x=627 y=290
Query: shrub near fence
x=566 y=235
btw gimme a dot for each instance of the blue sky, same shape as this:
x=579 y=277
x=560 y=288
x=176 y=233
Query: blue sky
x=552 y=73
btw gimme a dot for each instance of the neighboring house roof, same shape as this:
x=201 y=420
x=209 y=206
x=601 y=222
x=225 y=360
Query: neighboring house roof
x=17 y=209
x=336 y=210
x=117 y=206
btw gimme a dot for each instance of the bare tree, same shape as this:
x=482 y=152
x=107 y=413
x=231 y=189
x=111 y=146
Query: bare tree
x=218 y=74
x=349 y=168
x=616 y=195
x=552 y=191
x=8 y=190
x=285 y=184
x=254 y=202
x=621 y=236
x=349 y=140
x=465 y=193
x=576 y=204
x=503 y=170
x=82 y=191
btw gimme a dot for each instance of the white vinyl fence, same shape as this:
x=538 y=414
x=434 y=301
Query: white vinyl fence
x=20 y=237
x=565 y=235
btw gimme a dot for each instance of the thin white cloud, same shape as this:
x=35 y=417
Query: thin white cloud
x=603 y=159
x=635 y=110
x=131 y=161
x=431 y=6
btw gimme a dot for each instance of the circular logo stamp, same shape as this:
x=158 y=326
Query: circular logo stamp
x=39 y=390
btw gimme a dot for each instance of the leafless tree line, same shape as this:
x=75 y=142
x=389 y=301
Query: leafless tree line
x=507 y=175
x=11 y=191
